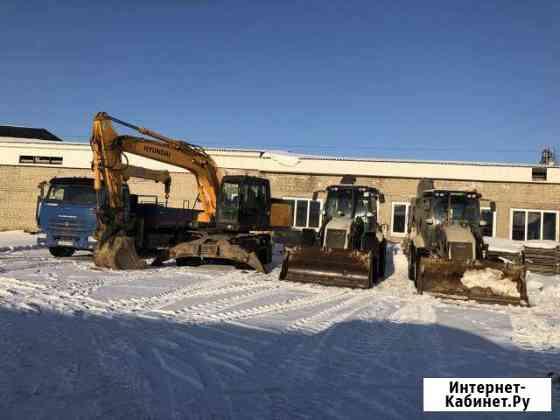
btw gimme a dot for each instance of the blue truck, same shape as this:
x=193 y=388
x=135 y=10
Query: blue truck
x=66 y=215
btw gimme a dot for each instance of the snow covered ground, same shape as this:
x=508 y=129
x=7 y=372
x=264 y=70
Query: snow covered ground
x=17 y=240
x=218 y=343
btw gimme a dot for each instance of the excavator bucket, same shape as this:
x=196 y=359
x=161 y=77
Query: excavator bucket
x=481 y=281
x=330 y=267
x=118 y=253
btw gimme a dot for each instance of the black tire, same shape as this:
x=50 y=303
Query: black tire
x=284 y=269
x=418 y=279
x=373 y=275
x=61 y=251
x=382 y=259
x=412 y=265
x=187 y=262
x=265 y=255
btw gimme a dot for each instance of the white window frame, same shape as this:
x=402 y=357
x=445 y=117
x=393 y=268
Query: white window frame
x=527 y=211
x=407 y=206
x=295 y=199
x=493 y=220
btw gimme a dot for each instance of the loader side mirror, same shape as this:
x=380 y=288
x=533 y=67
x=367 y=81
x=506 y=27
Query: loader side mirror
x=493 y=206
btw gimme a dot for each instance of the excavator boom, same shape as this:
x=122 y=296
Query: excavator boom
x=175 y=237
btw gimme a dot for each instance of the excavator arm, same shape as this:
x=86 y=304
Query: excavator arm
x=111 y=169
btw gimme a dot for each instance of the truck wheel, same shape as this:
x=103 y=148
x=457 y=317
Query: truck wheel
x=61 y=251
x=373 y=275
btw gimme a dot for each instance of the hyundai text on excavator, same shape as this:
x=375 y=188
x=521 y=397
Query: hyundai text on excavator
x=349 y=250
x=446 y=253
x=231 y=225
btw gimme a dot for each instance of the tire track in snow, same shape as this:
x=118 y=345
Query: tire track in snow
x=274 y=308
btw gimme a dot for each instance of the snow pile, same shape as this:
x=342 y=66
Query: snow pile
x=503 y=245
x=490 y=278
x=16 y=240
x=542 y=244
x=283 y=158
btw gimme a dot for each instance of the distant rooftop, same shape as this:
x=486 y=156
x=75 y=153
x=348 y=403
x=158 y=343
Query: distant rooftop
x=27 y=133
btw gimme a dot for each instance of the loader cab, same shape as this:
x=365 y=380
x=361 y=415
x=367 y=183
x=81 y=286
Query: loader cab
x=351 y=201
x=243 y=203
x=451 y=207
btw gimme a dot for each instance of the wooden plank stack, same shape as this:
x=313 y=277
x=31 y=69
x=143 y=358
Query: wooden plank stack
x=542 y=260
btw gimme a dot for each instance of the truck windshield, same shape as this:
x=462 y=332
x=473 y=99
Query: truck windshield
x=455 y=207
x=74 y=194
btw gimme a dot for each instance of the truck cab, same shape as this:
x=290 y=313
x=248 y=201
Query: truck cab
x=66 y=215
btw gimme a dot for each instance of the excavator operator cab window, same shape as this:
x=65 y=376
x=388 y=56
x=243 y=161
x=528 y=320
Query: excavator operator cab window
x=230 y=195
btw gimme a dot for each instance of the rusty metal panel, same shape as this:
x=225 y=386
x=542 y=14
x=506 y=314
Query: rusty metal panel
x=281 y=213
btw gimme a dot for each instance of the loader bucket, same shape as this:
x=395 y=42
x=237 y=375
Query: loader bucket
x=329 y=267
x=118 y=253
x=481 y=281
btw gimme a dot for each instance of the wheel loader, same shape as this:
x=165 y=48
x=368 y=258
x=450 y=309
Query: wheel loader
x=348 y=250
x=447 y=256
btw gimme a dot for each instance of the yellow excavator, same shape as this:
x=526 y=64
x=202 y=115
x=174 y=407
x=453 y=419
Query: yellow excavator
x=232 y=224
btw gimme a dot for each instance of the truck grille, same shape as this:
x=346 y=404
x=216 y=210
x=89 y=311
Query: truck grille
x=461 y=251
x=336 y=238
x=70 y=227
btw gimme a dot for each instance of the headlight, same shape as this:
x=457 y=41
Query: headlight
x=91 y=239
x=41 y=236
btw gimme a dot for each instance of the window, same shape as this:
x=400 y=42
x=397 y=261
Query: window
x=534 y=224
x=307 y=213
x=489 y=217
x=539 y=173
x=399 y=219
x=41 y=160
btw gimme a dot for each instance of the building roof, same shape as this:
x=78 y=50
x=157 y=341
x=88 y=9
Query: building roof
x=78 y=155
x=27 y=133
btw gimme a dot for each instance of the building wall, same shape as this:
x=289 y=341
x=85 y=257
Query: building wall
x=18 y=192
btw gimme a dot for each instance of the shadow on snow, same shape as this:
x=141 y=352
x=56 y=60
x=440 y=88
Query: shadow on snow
x=89 y=366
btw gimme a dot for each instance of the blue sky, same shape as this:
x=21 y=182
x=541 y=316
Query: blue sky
x=448 y=80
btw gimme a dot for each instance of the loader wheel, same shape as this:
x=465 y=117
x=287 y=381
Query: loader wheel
x=284 y=269
x=61 y=251
x=382 y=260
x=411 y=265
x=373 y=275
x=419 y=280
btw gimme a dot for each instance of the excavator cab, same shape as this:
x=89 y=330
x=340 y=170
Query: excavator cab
x=244 y=203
